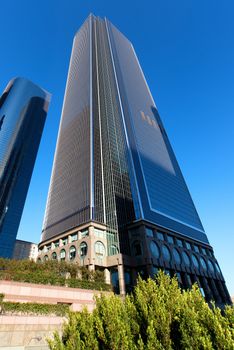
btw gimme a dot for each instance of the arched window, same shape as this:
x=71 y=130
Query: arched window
x=176 y=256
x=203 y=263
x=62 y=254
x=100 y=249
x=38 y=260
x=54 y=256
x=154 y=249
x=83 y=249
x=72 y=252
x=46 y=258
x=211 y=266
x=186 y=258
x=217 y=268
x=195 y=261
x=166 y=253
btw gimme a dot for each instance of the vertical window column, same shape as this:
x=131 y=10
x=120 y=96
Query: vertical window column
x=213 y=287
x=208 y=292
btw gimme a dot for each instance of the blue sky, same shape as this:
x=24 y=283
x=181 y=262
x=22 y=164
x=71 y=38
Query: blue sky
x=186 y=49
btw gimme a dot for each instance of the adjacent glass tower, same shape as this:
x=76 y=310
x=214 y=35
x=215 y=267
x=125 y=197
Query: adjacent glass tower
x=23 y=109
x=117 y=198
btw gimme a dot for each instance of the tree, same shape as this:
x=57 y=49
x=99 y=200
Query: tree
x=158 y=315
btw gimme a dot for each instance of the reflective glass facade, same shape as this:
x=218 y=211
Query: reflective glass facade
x=115 y=174
x=113 y=160
x=162 y=193
x=90 y=177
x=69 y=198
x=23 y=109
x=113 y=153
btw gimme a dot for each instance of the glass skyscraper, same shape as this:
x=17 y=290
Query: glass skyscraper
x=117 y=199
x=23 y=109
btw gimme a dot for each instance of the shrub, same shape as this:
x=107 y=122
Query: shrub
x=52 y=272
x=157 y=316
x=84 y=284
x=36 y=309
x=1 y=303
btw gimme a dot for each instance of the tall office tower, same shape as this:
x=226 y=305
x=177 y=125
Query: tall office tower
x=23 y=109
x=117 y=199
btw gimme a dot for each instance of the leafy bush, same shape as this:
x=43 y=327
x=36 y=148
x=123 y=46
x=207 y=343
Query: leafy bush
x=157 y=316
x=1 y=297
x=52 y=272
x=33 y=277
x=36 y=309
x=84 y=284
x=1 y=303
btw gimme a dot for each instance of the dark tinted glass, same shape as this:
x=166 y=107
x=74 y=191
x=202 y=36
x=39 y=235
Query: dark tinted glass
x=166 y=253
x=170 y=239
x=179 y=242
x=154 y=249
x=22 y=116
x=203 y=263
x=160 y=236
x=149 y=232
x=195 y=261
x=176 y=256
x=186 y=258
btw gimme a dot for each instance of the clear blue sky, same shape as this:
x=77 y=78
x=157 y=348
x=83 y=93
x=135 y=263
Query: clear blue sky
x=186 y=49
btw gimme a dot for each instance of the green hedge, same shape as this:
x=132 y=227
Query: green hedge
x=75 y=283
x=33 y=277
x=35 y=309
x=52 y=273
x=55 y=281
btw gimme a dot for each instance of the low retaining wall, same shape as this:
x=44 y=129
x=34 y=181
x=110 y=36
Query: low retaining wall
x=27 y=332
x=37 y=293
x=22 y=332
